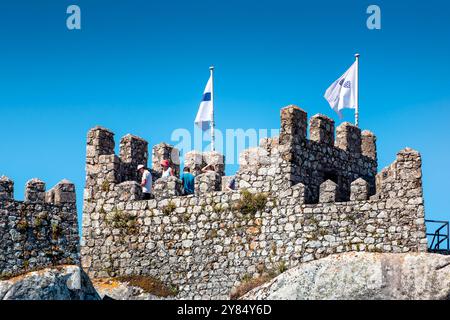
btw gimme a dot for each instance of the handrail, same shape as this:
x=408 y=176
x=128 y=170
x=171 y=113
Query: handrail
x=439 y=237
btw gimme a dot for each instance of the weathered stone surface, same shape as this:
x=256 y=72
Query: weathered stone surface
x=208 y=182
x=368 y=144
x=204 y=244
x=359 y=190
x=167 y=187
x=133 y=152
x=39 y=232
x=348 y=137
x=369 y=276
x=328 y=192
x=35 y=191
x=6 y=188
x=164 y=151
x=194 y=161
x=322 y=129
x=58 y=283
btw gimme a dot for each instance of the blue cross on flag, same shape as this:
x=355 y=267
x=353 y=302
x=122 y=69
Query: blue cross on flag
x=205 y=111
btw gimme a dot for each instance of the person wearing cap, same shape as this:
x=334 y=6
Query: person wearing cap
x=146 y=181
x=166 y=169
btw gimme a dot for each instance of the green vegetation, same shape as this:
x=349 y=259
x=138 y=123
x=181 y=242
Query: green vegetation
x=22 y=225
x=105 y=186
x=250 y=203
x=218 y=208
x=169 y=208
x=119 y=219
x=56 y=231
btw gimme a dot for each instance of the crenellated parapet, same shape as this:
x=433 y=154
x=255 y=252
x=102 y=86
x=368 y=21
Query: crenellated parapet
x=342 y=155
x=40 y=231
x=300 y=197
x=164 y=151
x=6 y=188
x=206 y=243
x=293 y=124
x=196 y=160
x=133 y=152
x=322 y=129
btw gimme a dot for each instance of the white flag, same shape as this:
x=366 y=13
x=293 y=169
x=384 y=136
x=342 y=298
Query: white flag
x=205 y=112
x=342 y=93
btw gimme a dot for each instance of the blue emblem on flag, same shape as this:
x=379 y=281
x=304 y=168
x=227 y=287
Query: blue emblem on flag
x=341 y=82
x=206 y=96
x=347 y=84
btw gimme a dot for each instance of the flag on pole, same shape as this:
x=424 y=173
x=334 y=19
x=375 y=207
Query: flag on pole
x=343 y=92
x=205 y=112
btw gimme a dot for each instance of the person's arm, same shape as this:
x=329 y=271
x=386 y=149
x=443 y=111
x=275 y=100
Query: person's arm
x=206 y=168
x=144 y=179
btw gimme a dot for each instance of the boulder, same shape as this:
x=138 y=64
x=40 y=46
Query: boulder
x=55 y=283
x=362 y=276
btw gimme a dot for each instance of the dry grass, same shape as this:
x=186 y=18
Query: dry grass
x=149 y=285
x=249 y=284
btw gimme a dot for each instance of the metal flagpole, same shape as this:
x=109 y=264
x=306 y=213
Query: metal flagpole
x=356 y=90
x=212 y=105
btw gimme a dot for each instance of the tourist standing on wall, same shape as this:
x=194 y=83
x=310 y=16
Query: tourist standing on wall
x=167 y=171
x=188 y=181
x=146 y=181
x=231 y=186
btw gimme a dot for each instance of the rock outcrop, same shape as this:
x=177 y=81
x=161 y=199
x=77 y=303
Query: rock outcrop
x=360 y=275
x=57 y=283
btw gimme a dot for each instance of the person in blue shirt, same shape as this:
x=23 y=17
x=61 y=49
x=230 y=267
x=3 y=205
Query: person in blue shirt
x=188 y=181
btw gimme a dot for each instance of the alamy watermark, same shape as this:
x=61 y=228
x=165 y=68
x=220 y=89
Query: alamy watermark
x=374 y=20
x=229 y=143
x=73 y=21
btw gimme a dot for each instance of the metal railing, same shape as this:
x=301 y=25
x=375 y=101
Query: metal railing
x=440 y=241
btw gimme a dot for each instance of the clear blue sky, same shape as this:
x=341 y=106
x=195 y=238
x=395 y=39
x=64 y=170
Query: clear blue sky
x=140 y=67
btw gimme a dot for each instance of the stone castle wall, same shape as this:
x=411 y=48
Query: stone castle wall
x=40 y=231
x=310 y=198
x=281 y=162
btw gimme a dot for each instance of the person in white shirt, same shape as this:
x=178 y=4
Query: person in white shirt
x=146 y=181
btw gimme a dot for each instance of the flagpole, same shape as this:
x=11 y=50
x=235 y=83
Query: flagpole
x=212 y=104
x=357 y=91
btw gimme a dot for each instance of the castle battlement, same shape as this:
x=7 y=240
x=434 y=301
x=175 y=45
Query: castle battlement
x=40 y=231
x=298 y=199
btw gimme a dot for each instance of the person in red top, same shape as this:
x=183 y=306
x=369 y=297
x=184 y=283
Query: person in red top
x=167 y=171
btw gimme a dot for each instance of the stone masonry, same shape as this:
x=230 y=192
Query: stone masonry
x=40 y=231
x=309 y=198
